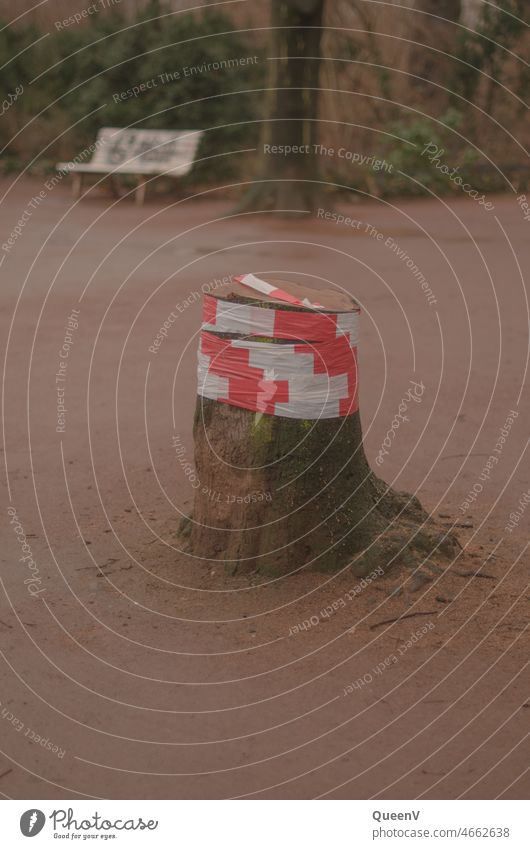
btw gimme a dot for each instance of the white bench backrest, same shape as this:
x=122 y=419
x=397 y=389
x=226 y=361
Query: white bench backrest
x=147 y=150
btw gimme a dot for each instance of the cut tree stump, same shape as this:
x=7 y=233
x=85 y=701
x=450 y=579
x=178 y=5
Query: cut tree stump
x=279 y=494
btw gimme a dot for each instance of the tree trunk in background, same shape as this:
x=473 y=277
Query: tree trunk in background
x=433 y=34
x=291 y=103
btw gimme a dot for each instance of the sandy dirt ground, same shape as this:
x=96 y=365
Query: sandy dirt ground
x=130 y=670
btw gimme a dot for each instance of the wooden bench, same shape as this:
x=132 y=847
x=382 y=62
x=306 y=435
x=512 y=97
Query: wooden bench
x=143 y=153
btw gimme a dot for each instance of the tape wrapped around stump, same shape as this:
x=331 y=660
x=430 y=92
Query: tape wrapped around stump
x=279 y=493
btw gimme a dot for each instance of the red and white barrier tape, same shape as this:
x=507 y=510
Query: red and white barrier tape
x=249 y=320
x=271 y=291
x=313 y=377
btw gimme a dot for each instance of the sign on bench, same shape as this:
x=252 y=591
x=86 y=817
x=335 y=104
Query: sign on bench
x=139 y=152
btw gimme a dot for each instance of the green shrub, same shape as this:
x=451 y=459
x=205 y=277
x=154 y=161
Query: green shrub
x=407 y=157
x=85 y=68
x=487 y=49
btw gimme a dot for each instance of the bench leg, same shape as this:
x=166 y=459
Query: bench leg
x=77 y=185
x=140 y=191
x=113 y=186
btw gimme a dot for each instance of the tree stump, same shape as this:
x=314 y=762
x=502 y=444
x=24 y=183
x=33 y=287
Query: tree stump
x=278 y=494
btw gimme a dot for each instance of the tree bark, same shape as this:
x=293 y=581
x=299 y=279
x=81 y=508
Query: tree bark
x=277 y=494
x=433 y=32
x=290 y=182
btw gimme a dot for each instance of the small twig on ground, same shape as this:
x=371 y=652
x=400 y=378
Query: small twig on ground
x=469 y=573
x=405 y=616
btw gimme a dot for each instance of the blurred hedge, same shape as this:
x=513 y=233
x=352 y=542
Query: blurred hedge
x=369 y=105
x=70 y=76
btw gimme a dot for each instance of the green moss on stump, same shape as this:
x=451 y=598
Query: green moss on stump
x=328 y=509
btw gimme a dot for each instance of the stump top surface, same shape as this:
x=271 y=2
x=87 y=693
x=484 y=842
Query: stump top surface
x=332 y=300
